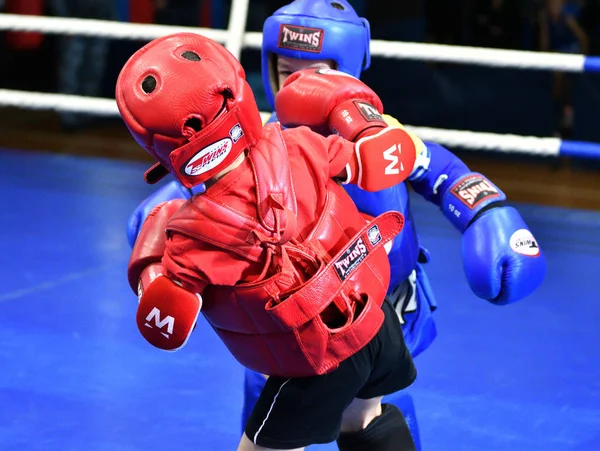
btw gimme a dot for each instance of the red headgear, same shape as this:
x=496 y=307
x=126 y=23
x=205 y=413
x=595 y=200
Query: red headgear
x=185 y=99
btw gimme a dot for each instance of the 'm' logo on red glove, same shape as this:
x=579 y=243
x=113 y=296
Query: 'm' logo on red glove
x=393 y=155
x=167 y=314
x=168 y=321
x=384 y=159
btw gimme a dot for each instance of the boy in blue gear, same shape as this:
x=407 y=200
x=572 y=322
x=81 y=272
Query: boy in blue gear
x=501 y=258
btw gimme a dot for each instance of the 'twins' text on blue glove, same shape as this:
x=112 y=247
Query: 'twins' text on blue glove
x=502 y=260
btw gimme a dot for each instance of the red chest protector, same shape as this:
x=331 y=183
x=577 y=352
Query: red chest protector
x=318 y=301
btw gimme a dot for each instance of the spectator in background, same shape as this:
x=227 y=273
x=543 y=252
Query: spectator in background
x=82 y=60
x=560 y=31
x=590 y=21
x=496 y=23
x=407 y=24
x=446 y=21
x=190 y=13
x=184 y=13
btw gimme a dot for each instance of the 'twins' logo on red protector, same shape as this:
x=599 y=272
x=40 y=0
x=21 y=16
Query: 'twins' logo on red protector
x=305 y=39
x=349 y=260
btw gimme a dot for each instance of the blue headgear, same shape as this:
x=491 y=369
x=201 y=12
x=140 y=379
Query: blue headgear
x=315 y=30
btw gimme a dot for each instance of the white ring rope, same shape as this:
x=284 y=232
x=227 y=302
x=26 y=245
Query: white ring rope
x=100 y=28
x=235 y=39
x=478 y=56
x=490 y=141
x=452 y=138
x=388 y=49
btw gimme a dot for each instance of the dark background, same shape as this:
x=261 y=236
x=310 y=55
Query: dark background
x=465 y=97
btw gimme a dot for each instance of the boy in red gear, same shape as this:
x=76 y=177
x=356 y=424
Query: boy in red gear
x=275 y=254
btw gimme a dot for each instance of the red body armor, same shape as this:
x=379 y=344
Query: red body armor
x=318 y=301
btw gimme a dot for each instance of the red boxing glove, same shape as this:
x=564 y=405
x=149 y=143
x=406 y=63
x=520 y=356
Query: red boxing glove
x=381 y=161
x=167 y=313
x=329 y=101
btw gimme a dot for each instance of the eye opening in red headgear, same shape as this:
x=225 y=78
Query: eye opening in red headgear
x=192 y=125
x=149 y=84
x=191 y=56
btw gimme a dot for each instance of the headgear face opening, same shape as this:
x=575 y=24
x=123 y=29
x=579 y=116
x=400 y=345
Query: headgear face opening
x=185 y=99
x=315 y=30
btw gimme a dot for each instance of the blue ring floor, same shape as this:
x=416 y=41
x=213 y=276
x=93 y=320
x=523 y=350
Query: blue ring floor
x=76 y=375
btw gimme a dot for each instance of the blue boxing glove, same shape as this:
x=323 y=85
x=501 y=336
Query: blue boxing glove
x=172 y=190
x=502 y=260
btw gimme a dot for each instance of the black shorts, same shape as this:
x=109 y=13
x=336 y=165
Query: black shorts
x=298 y=412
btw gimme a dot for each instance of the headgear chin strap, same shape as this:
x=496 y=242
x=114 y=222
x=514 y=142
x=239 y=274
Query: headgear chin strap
x=155 y=173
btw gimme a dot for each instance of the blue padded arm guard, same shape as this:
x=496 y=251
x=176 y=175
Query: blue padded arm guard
x=443 y=179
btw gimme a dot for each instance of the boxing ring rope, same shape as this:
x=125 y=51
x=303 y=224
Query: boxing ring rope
x=235 y=38
x=388 y=49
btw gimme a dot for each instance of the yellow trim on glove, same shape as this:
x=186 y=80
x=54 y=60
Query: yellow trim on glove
x=393 y=122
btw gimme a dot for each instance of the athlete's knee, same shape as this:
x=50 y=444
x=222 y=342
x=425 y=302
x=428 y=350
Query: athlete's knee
x=247 y=445
x=386 y=432
x=360 y=413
